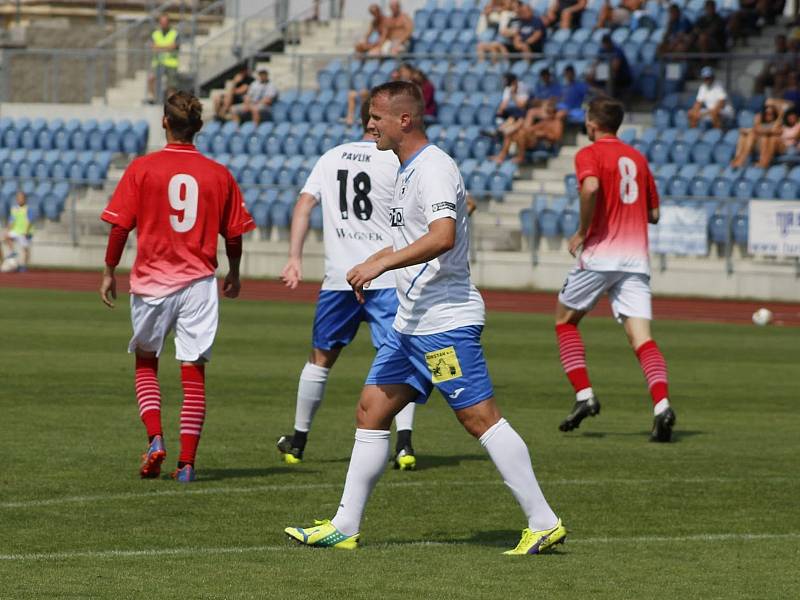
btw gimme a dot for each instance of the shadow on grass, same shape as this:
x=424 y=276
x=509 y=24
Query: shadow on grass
x=243 y=473
x=424 y=461
x=501 y=539
x=676 y=435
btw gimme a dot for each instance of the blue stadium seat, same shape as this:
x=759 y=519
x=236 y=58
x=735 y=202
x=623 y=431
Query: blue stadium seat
x=477 y=183
x=776 y=173
x=568 y=222
x=700 y=186
x=765 y=188
x=712 y=136
x=721 y=187
x=723 y=153
x=526 y=222
x=659 y=152
x=745 y=118
x=743 y=189
x=718 y=228
x=548 y=223
x=662 y=118
x=680 y=119
x=753 y=174
x=740 y=227
x=680 y=153
x=571 y=186
x=702 y=153
x=678 y=186
x=261 y=215
x=280 y=214
x=788 y=189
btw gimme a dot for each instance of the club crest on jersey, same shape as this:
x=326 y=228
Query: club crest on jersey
x=404 y=186
x=396 y=216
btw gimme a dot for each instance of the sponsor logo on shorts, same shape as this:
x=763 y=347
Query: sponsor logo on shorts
x=456 y=394
x=443 y=365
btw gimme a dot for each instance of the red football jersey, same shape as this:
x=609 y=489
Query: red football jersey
x=180 y=202
x=617 y=237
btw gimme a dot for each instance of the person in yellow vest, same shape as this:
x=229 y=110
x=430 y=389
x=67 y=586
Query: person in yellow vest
x=20 y=231
x=165 y=43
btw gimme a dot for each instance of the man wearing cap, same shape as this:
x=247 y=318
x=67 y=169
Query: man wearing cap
x=258 y=99
x=711 y=102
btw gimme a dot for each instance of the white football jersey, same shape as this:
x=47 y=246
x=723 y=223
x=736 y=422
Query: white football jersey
x=438 y=295
x=354 y=182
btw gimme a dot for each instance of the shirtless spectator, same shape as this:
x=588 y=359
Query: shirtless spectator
x=616 y=16
x=396 y=33
x=565 y=14
x=234 y=93
x=371 y=40
x=543 y=124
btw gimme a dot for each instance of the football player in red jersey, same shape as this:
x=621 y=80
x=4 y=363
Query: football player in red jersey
x=618 y=198
x=179 y=201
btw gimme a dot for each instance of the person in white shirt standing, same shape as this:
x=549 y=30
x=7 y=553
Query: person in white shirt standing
x=435 y=340
x=354 y=183
x=711 y=102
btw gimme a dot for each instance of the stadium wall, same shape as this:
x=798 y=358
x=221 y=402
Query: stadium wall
x=700 y=277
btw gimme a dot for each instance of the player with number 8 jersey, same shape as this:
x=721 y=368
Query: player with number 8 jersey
x=179 y=202
x=618 y=198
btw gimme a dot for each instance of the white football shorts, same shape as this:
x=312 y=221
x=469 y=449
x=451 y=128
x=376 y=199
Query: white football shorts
x=193 y=312
x=629 y=293
x=19 y=238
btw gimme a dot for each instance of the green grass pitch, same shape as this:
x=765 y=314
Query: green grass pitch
x=714 y=515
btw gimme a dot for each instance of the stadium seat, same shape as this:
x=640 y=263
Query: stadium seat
x=548 y=223
x=721 y=187
x=723 y=153
x=568 y=222
x=659 y=153
x=718 y=228
x=743 y=189
x=680 y=153
x=788 y=189
x=765 y=188
x=701 y=153
x=678 y=186
x=700 y=186
x=739 y=226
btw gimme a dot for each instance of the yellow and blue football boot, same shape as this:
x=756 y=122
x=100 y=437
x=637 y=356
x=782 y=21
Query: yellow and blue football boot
x=323 y=535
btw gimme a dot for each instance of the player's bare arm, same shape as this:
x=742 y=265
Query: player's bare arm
x=653 y=215
x=292 y=273
x=117 y=238
x=232 y=284
x=108 y=288
x=588 y=195
x=440 y=238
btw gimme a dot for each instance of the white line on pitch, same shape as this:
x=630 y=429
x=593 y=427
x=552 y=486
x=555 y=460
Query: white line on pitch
x=189 y=551
x=199 y=490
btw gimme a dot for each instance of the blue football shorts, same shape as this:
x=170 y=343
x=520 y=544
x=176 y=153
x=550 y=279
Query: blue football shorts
x=451 y=361
x=339 y=314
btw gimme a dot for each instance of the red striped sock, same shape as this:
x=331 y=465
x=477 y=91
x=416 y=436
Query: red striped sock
x=193 y=411
x=573 y=356
x=654 y=368
x=148 y=394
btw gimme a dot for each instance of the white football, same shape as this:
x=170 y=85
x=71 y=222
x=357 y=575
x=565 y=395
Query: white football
x=9 y=265
x=763 y=316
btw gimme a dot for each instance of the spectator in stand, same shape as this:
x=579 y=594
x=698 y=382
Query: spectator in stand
x=786 y=140
x=542 y=125
x=565 y=14
x=546 y=88
x=371 y=40
x=512 y=107
x=777 y=68
x=711 y=102
x=677 y=34
x=234 y=93
x=611 y=71
x=428 y=92
x=20 y=232
x=495 y=13
x=500 y=44
x=619 y=15
x=258 y=100
x=766 y=125
x=396 y=33
x=710 y=30
x=529 y=32
x=164 y=45
x=791 y=92
x=573 y=95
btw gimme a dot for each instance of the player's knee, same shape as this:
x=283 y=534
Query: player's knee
x=478 y=419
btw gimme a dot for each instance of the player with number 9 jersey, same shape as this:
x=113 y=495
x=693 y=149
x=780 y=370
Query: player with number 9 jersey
x=179 y=202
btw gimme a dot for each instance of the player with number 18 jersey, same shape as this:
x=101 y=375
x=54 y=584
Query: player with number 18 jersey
x=353 y=183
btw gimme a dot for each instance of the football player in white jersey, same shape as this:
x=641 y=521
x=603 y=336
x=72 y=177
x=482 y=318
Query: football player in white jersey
x=354 y=183
x=435 y=340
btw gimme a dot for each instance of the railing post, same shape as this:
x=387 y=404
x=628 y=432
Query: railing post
x=534 y=239
x=729 y=237
x=73 y=217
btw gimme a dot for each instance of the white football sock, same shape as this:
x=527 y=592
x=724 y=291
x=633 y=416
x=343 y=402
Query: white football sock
x=404 y=420
x=584 y=394
x=309 y=395
x=661 y=406
x=367 y=463
x=510 y=455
